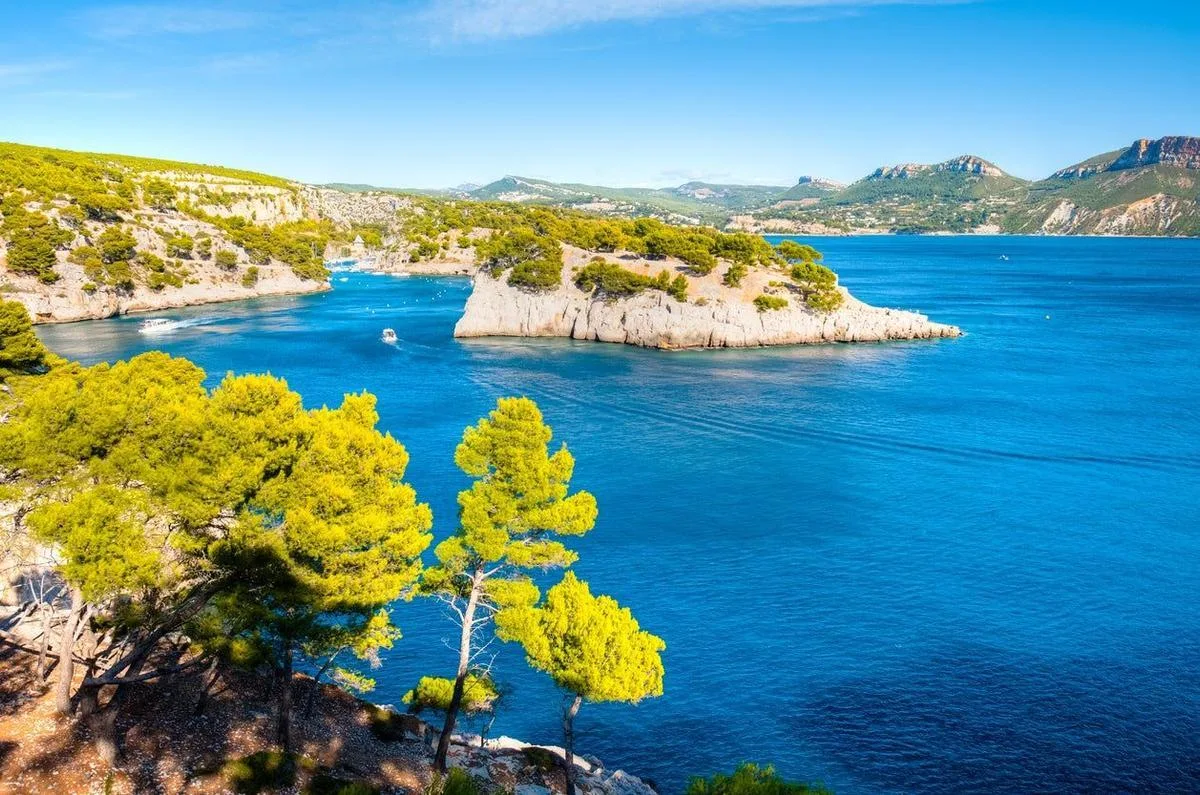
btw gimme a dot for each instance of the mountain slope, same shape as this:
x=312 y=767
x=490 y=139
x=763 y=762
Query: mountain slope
x=90 y=235
x=1149 y=188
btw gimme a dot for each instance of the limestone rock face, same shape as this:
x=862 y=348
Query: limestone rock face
x=1174 y=150
x=654 y=320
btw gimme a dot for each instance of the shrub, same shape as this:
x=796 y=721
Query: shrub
x=119 y=275
x=825 y=300
x=72 y=217
x=769 y=303
x=89 y=259
x=250 y=277
x=180 y=245
x=679 y=288
x=151 y=262
x=33 y=239
x=30 y=253
x=204 y=247
x=116 y=245
x=157 y=281
x=226 y=259
x=159 y=194
x=103 y=206
x=504 y=250
x=537 y=275
x=264 y=771
x=455 y=782
x=750 y=779
x=733 y=277
x=610 y=279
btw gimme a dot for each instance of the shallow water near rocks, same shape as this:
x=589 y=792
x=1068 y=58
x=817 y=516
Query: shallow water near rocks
x=946 y=566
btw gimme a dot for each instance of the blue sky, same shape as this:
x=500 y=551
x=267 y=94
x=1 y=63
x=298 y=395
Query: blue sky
x=430 y=93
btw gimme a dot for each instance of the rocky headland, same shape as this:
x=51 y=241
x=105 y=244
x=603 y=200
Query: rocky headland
x=713 y=316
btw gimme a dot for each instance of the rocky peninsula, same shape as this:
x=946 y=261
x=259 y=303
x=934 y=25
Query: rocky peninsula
x=713 y=316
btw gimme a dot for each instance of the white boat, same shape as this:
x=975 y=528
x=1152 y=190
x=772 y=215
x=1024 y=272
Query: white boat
x=388 y=336
x=156 y=325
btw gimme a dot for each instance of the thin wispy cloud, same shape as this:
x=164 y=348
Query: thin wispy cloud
x=130 y=20
x=20 y=73
x=243 y=63
x=501 y=19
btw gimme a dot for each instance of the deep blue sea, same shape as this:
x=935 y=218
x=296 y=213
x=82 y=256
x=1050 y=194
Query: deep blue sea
x=948 y=566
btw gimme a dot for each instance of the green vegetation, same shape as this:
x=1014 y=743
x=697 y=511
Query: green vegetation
x=509 y=523
x=250 y=277
x=33 y=240
x=534 y=261
x=526 y=241
x=116 y=245
x=750 y=779
x=768 y=303
x=455 y=782
x=734 y=275
x=817 y=283
x=299 y=244
x=610 y=280
x=590 y=646
x=89 y=192
x=210 y=528
x=21 y=352
x=175 y=508
x=434 y=692
x=180 y=245
x=226 y=259
x=45 y=174
x=265 y=771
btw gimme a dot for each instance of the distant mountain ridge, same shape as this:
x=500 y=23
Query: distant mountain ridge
x=1151 y=187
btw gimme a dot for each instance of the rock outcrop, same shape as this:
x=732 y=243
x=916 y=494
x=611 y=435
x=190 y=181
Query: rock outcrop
x=1180 y=151
x=65 y=302
x=513 y=766
x=655 y=320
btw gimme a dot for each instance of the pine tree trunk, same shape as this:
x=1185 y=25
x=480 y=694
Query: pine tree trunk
x=210 y=679
x=569 y=735
x=283 y=729
x=460 y=679
x=47 y=610
x=66 y=655
x=316 y=685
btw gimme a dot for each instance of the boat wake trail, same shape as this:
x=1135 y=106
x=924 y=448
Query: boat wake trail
x=153 y=327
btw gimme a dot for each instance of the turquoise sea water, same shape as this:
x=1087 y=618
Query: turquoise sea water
x=949 y=566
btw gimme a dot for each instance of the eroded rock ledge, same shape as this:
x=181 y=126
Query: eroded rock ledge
x=654 y=320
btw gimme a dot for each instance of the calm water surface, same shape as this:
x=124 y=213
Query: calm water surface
x=945 y=566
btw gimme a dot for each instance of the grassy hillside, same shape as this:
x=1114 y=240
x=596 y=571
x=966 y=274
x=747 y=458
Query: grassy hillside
x=117 y=223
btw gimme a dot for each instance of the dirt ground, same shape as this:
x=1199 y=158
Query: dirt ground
x=168 y=749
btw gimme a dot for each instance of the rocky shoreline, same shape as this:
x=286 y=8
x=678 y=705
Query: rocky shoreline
x=57 y=306
x=654 y=320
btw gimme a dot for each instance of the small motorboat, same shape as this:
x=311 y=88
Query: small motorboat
x=389 y=336
x=156 y=325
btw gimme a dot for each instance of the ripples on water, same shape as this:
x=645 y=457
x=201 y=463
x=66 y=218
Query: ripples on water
x=960 y=565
